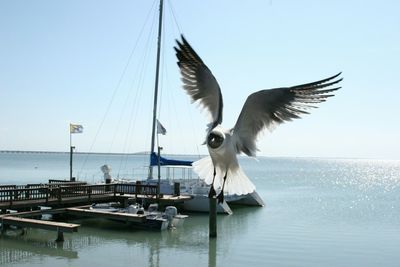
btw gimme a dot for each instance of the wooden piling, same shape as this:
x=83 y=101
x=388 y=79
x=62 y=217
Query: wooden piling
x=2 y=228
x=177 y=189
x=60 y=236
x=213 y=218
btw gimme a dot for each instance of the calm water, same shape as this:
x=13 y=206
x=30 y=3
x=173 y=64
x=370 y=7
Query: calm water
x=319 y=212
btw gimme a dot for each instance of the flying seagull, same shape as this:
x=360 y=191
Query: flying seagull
x=262 y=109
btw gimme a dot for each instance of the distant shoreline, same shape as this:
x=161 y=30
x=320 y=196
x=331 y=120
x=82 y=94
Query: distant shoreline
x=144 y=153
x=65 y=152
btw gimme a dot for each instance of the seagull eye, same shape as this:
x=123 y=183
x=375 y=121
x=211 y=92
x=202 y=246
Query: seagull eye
x=215 y=141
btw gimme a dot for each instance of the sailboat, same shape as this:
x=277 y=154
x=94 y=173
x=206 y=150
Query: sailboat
x=194 y=187
x=185 y=184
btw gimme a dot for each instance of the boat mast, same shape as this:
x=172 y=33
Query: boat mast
x=153 y=132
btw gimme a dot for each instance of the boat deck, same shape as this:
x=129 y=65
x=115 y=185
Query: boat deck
x=126 y=217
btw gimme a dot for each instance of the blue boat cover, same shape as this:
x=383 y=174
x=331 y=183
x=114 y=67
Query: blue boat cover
x=170 y=162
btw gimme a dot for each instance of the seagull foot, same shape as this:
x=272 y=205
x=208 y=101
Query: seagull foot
x=212 y=193
x=220 y=197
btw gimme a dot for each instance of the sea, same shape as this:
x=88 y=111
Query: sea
x=318 y=212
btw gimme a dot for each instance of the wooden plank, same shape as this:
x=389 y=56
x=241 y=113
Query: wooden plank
x=32 y=213
x=47 y=225
x=107 y=215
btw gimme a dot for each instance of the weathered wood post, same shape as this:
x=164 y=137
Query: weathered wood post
x=3 y=227
x=89 y=192
x=60 y=236
x=59 y=195
x=213 y=217
x=11 y=196
x=138 y=188
x=27 y=193
x=177 y=189
x=47 y=194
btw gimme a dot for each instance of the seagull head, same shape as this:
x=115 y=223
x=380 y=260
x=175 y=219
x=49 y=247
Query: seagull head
x=216 y=138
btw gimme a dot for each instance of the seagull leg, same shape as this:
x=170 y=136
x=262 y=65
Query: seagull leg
x=220 y=196
x=212 y=192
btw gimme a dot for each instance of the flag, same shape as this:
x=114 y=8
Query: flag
x=160 y=128
x=75 y=128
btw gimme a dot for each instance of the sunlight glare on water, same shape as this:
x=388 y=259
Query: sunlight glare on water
x=319 y=212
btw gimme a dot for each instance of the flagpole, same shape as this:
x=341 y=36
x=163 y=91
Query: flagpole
x=73 y=128
x=70 y=153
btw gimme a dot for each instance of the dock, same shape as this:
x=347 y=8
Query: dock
x=60 y=227
x=47 y=225
x=20 y=219
x=21 y=205
x=72 y=194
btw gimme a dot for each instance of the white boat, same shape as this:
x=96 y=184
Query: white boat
x=171 y=215
x=198 y=190
x=107 y=207
x=155 y=219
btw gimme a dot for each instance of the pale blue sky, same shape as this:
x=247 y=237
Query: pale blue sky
x=63 y=61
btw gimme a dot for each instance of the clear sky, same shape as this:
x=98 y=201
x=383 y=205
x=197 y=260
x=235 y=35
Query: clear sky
x=92 y=63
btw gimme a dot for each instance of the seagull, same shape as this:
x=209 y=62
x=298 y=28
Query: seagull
x=262 y=110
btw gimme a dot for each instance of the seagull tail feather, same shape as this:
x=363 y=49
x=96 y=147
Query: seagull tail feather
x=237 y=181
x=204 y=169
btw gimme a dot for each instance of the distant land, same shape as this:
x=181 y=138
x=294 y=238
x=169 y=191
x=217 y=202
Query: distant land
x=65 y=152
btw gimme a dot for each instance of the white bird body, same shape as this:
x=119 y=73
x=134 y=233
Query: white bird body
x=225 y=162
x=262 y=109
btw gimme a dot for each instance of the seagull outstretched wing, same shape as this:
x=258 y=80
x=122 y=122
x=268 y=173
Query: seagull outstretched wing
x=199 y=83
x=267 y=108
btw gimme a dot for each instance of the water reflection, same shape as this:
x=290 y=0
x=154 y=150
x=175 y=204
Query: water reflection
x=212 y=252
x=319 y=213
x=16 y=249
x=148 y=248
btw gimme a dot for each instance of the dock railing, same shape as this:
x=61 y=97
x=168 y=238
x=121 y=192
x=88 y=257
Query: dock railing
x=20 y=194
x=11 y=194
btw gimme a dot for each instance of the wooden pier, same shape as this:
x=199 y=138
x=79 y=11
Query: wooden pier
x=73 y=198
x=60 y=227
x=20 y=219
x=72 y=194
x=47 y=225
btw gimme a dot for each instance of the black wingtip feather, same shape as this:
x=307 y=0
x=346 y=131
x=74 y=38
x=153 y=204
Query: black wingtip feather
x=321 y=83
